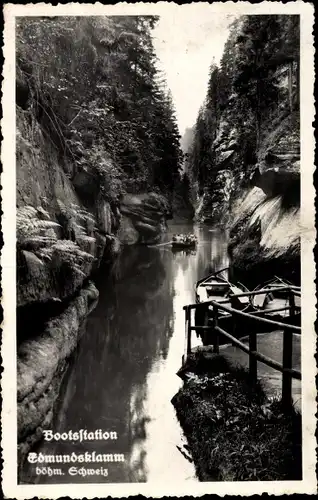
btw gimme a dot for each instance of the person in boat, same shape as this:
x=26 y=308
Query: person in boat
x=184 y=239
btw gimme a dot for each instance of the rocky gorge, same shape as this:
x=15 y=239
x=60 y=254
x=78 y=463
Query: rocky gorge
x=265 y=226
x=66 y=229
x=99 y=172
x=243 y=162
x=95 y=170
x=244 y=158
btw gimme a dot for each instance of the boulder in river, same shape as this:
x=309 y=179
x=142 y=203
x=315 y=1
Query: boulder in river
x=143 y=218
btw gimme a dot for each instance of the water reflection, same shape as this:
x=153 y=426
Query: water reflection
x=123 y=374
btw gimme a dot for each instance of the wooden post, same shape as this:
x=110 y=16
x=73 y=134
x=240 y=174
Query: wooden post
x=205 y=320
x=234 y=319
x=186 y=334
x=287 y=363
x=292 y=303
x=189 y=333
x=216 y=342
x=252 y=359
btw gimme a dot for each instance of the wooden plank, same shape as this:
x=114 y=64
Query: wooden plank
x=221 y=284
x=200 y=328
x=234 y=329
x=287 y=399
x=197 y=306
x=266 y=311
x=260 y=357
x=243 y=301
x=256 y=318
x=205 y=336
x=263 y=291
x=246 y=294
x=221 y=270
x=212 y=275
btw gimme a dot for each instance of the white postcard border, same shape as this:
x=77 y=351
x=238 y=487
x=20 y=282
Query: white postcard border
x=9 y=425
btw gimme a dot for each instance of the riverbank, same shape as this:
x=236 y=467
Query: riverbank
x=234 y=431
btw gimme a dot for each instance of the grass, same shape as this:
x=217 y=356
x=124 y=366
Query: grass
x=234 y=432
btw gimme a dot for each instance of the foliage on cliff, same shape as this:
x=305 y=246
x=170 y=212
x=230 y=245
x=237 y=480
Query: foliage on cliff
x=93 y=85
x=252 y=97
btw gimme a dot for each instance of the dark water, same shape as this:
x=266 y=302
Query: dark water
x=123 y=374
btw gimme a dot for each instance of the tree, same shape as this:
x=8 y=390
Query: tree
x=95 y=88
x=245 y=95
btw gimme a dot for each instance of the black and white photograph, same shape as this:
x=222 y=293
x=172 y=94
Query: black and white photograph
x=158 y=227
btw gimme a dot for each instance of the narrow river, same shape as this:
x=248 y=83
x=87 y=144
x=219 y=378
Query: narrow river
x=123 y=374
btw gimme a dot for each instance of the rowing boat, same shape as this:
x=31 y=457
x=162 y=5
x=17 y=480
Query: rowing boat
x=180 y=241
x=274 y=300
x=216 y=287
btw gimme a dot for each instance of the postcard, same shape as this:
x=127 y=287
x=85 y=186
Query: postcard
x=158 y=224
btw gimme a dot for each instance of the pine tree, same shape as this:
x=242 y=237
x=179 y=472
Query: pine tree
x=95 y=88
x=245 y=95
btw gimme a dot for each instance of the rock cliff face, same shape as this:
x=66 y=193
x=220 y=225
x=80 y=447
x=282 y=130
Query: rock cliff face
x=265 y=229
x=253 y=148
x=41 y=366
x=265 y=223
x=264 y=238
x=66 y=227
x=257 y=194
x=143 y=218
x=60 y=242
x=215 y=203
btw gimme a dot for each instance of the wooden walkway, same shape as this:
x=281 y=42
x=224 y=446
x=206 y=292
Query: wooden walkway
x=214 y=332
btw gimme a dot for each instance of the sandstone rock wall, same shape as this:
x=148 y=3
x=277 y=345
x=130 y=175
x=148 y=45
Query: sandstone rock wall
x=265 y=221
x=66 y=227
x=215 y=204
x=41 y=365
x=60 y=242
x=264 y=238
x=143 y=218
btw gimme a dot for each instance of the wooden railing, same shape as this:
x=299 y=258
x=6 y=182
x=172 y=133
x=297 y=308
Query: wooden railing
x=288 y=373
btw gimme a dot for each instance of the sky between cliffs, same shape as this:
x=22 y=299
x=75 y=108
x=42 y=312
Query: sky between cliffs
x=186 y=44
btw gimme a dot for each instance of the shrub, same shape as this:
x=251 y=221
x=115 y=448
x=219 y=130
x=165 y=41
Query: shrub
x=110 y=177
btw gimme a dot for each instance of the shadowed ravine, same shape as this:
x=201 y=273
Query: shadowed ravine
x=123 y=374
